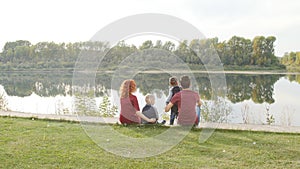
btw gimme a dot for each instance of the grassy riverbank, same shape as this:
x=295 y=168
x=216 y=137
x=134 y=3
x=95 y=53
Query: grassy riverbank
x=26 y=143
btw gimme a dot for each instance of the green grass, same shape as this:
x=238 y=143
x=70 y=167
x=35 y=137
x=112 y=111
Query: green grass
x=26 y=143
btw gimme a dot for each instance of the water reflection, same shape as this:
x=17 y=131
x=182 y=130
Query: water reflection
x=294 y=78
x=43 y=84
x=259 y=88
x=53 y=93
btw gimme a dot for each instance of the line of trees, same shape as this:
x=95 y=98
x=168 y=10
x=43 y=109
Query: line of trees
x=22 y=54
x=241 y=51
x=291 y=59
x=237 y=51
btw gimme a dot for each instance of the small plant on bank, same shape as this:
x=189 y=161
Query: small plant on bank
x=3 y=102
x=269 y=117
x=106 y=108
x=245 y=114
x=216 y=111
x=85 y=106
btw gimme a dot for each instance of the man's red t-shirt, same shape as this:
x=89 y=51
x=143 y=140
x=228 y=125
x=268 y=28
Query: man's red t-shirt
x=186 y=101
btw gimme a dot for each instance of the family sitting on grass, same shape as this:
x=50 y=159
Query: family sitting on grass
x=181 y=101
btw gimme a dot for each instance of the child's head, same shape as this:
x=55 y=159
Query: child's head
x=173 y=81
x=150 y=99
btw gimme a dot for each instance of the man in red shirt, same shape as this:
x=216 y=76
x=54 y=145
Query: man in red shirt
x=186 y=100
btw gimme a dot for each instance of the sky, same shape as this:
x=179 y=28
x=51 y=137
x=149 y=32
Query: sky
x=78 y=20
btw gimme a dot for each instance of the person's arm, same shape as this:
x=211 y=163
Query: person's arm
x=168 y=107
x=199 y=103
x=169 y=96
x=152 y=120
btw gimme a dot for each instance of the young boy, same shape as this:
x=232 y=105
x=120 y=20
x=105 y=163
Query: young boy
x=149 y=110
x=186 y=101
x=174 y=88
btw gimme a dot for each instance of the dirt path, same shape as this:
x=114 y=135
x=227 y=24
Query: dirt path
x=114 y=120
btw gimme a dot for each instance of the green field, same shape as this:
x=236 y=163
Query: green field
x=27 y=143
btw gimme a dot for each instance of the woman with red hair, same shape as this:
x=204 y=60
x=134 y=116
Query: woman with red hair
x=130 y=111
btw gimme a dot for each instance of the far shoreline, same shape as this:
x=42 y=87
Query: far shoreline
x=257 y=72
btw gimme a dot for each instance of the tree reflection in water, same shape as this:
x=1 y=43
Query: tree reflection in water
x=243 y=90
x=240 y=87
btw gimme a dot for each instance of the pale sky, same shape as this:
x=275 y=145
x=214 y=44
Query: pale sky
x=79 y=20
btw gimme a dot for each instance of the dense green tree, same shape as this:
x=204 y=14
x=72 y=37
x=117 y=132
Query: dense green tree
x=203 y=49
x=170 y=46
x=291 y=59
x=238 y=51
x=146 y=45
x=182 y=51
x=263 y=51
x=158 y=44
x=257 y=45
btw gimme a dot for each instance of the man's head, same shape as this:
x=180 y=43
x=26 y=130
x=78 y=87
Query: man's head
x=185 y=82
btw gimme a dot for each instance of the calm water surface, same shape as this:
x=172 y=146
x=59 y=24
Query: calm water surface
x=249 y=96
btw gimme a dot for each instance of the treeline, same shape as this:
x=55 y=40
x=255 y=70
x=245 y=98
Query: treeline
x=43 y=55
x=241 y=51
x=237 y=51
x=291 y=60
